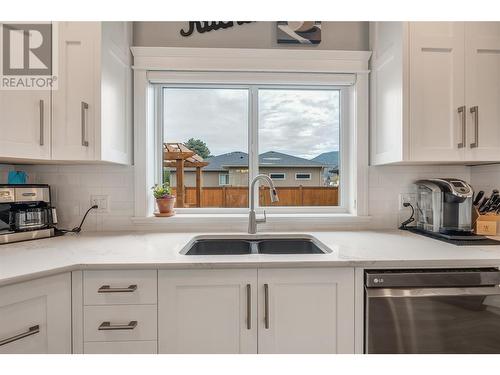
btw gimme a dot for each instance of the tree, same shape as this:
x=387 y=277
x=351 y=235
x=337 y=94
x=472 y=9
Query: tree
x=198 y=146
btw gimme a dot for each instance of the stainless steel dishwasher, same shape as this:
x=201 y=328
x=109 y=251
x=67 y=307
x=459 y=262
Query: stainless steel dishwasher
x=432 y=311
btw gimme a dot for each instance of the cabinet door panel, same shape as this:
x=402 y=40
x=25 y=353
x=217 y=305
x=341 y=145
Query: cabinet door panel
x=22 y=126
x=482 y=43
x=205 y=311
x=45 y=303
x=308 y=310
x=436 y=90
x=78 y=77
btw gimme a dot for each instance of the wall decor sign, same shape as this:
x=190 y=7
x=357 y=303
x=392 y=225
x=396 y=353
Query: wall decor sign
x=299 y=32
x=206 y=26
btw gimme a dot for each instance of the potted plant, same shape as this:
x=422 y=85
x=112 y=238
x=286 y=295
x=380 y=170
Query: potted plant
x=164 y=199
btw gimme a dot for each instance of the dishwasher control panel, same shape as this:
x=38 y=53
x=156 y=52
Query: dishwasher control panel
x=432 y=278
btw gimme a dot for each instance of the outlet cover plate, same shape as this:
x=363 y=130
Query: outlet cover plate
x=407 y=198
x=102 y=202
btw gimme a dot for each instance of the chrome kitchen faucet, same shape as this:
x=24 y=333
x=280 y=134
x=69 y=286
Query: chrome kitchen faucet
x=252 y=218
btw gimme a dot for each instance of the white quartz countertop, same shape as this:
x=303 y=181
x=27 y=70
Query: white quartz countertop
x=133 y=250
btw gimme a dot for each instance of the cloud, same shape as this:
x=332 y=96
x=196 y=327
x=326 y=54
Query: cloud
x=303 y=123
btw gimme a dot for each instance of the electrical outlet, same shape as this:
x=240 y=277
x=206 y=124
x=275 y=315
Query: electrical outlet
x=102 y=202
x=407 y=198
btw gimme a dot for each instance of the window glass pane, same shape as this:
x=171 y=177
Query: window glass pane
x=299 y=136
x=213 y=124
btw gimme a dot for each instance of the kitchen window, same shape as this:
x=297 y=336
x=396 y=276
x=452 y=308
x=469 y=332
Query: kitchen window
x=252 y=71
x=234 y=132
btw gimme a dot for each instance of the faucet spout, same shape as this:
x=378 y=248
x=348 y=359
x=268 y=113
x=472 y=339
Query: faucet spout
x=252 y=217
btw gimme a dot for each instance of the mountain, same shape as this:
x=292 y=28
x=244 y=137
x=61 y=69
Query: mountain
x=329 y=158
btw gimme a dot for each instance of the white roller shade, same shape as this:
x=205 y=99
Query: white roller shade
x=248 y=78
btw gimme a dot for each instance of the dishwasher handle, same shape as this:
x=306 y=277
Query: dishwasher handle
x=432 y=292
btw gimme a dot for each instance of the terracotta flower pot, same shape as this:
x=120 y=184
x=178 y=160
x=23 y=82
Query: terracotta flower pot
x=166 y=204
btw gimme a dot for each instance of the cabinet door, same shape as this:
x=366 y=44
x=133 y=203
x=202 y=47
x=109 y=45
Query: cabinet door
x=482 y=44
x=306 y=310
x=35 y=316
x=437 y=91
x=207 y=311
x=75 y=108
x=25 y=124
x=116 y=93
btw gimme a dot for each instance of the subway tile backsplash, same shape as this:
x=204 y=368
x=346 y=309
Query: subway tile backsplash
x=73 y=185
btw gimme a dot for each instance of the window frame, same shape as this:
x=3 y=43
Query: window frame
x=277 y=179
x=217 y=82
x=303 y=179
x=225 y=175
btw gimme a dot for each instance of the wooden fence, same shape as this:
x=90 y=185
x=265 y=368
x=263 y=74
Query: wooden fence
x=233 y=197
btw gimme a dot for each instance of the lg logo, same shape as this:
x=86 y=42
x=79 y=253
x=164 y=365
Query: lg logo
x=27 y=49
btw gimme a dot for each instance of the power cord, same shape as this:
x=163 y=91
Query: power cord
x=77 y=229
x=404 y=224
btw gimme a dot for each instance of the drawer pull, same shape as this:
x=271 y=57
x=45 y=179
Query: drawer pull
x=107 y=326
x=108 y=289
x=31 y=331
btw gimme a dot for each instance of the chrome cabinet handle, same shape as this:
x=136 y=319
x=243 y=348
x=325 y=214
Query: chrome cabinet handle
x=108 y=326
x=475 y=113
x=31 y=331
x=84 y=108
x=461 y=113
x=266 y=306
x=108 y=289
x=42 y=121
x=249 y=306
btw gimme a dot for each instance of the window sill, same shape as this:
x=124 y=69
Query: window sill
x=238 y=222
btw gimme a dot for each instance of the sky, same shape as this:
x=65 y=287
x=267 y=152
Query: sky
x=302 y=123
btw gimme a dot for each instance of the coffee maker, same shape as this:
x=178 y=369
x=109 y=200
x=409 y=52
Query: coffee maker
x=444 y=208
x=26 y=213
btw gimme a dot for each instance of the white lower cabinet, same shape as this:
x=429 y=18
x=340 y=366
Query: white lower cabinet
x=35 y=316
x=207 y=311
x=256 y=311
x=306 y=311
x=119 y=312
x=120 y=347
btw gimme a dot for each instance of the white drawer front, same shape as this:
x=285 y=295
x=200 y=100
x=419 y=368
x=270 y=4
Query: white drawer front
x=120 y=347
x=15 y=323
x=120 y=318
x=119 y=287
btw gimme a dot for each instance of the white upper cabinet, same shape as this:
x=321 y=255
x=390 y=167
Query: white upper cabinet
x=88 y=116
x=75 y=111
x=482 y=87
x=429 y=80
x=25 y=124
x=93 y=106
x=436 y=67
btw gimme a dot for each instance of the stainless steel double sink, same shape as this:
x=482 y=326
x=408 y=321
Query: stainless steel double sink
x=230 y=245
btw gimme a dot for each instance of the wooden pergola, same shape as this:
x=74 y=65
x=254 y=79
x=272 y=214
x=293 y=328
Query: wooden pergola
x=178 y=156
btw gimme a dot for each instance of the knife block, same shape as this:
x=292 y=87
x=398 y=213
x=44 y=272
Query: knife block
x=486 y=225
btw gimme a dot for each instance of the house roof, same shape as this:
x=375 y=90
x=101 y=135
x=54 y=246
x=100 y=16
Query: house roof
x=269 y=159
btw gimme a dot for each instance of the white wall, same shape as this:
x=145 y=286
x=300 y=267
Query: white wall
x=262 y=34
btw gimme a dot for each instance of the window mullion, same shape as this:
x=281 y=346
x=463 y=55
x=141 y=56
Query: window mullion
x=253 y=141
